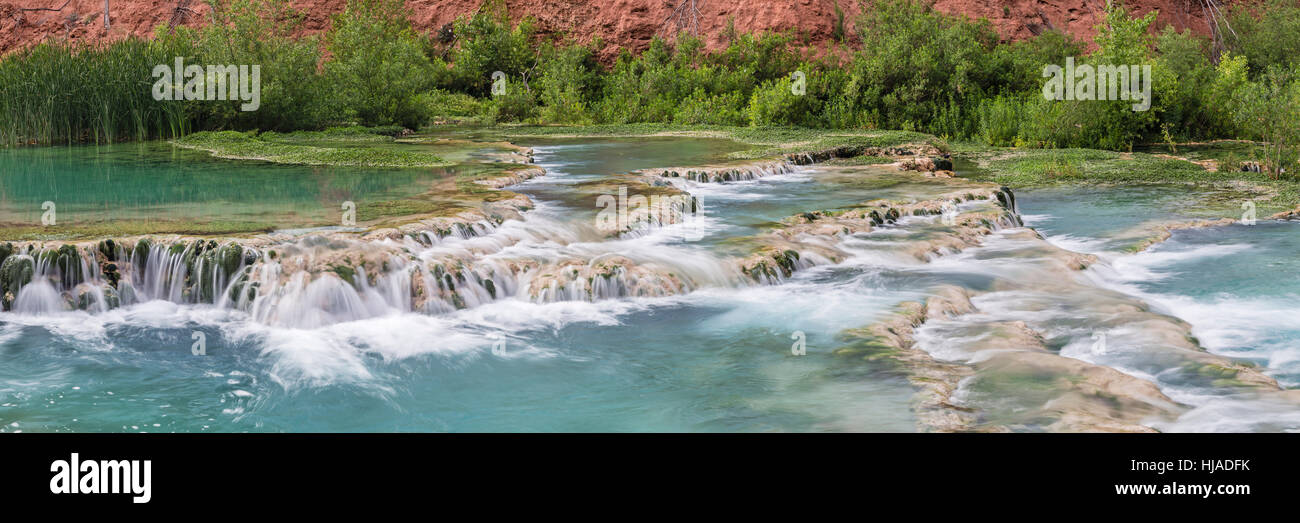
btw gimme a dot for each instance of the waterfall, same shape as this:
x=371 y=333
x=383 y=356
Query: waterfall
x=750 y=171
x=455 y=231
x=39 y=298
x=103 y=276
x=434 y=267
x=51 y=280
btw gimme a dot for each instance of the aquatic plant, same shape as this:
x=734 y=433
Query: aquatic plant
x=269 y=147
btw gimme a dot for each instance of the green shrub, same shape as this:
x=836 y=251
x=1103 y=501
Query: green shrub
x=720 y=109
x=915 y=63
x=568 y=79
x=486 y=43
x=1231 y=77
x=448 y=106
x=775 y=103
x=645 y=88
x=378 y=64
x=1048 y=124
x=999 y=120
x=1110 y=124
x=1269 y=110
x=294 y=93
x=1023 y=61
x=1181 y=98
x=1267 y=33
x=761 y=57
x=517 y=104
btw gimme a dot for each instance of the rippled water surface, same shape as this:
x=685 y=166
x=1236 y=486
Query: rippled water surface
x=154 y=180
x=715 y=359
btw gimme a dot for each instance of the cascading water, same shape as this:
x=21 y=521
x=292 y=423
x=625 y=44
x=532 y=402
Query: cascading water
x=38 y=297
x=746 y=172
x=545 y=322
x=317 y=281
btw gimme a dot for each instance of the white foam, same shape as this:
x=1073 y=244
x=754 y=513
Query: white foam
x=1237 y=415
x=1147 y=265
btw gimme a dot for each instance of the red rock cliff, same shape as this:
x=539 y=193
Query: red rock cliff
x=619 y=23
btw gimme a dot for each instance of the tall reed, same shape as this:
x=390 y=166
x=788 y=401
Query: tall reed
x=62 y=93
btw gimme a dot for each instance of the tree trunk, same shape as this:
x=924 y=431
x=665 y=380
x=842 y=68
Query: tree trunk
x=105 y=15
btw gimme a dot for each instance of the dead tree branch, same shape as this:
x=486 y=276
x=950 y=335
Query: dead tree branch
x=65 y=4
x=685 y=17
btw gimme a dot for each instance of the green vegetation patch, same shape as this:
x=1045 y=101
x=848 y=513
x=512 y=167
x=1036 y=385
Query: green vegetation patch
x=1020 y=168
x=354 y=133
x=767 y=141
x=111 y=228
x=272 y=148
x=411 y=207
x=1025 y=167
x=860 y=160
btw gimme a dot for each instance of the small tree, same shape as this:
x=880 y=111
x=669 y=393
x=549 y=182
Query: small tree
x=1270 y=110
x=379 y=64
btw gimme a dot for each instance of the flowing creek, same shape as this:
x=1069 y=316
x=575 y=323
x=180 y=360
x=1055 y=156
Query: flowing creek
x=541 y=321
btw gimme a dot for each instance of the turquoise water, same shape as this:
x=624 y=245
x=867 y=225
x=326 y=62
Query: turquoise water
x=1092 y=219
x=152 y=181
x=611 y=370
x=716 y=359
x=1235 y=284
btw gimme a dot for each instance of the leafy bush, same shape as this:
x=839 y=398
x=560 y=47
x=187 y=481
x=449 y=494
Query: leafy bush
x=644 y=89
x=517 y=104
x=999 y=120
x=442 y=105
x=1267 y=33
x=1269 y=110
x=1023 y=61
x=719 y=109
x=1048 y=124
x=379 y=65
x=1230 y=79
x=1182 y=96
x=1109 y=124
x=568 y=79
x=916 y=62
x=486 y=43
x=294 y=93
x=775 y=103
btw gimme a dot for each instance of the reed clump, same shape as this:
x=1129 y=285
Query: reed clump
x=62 y=93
